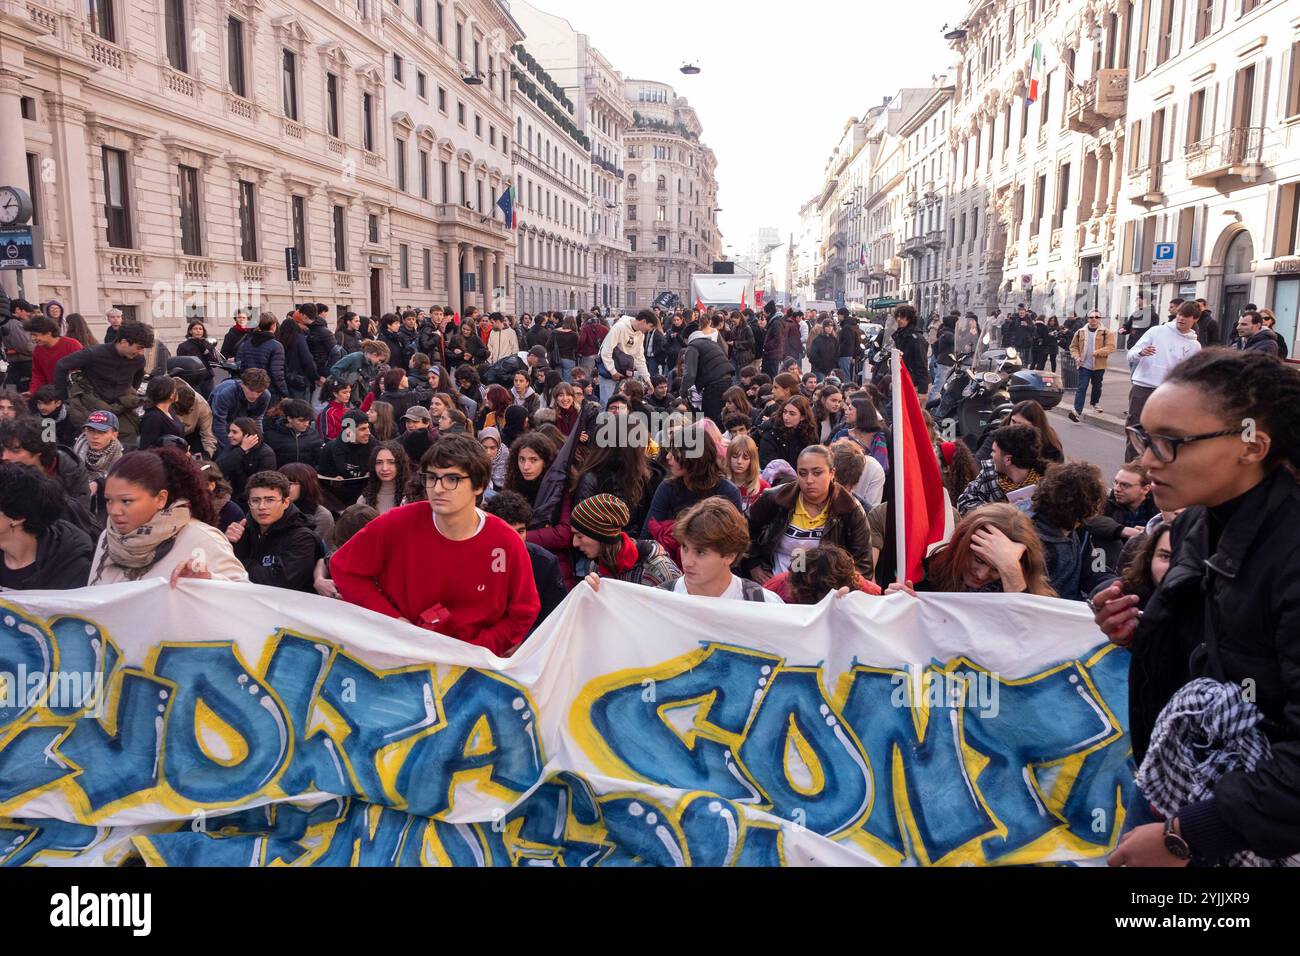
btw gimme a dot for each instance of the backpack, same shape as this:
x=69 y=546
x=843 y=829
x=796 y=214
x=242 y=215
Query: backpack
x=752 y=590
x=502 y=372
x=336 y=352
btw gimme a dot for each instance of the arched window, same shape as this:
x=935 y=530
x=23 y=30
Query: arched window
x=631 y=181
x=1240 y=254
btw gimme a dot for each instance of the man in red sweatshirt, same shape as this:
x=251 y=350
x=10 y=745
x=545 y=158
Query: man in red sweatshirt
x=443 y=564
x=48 y=348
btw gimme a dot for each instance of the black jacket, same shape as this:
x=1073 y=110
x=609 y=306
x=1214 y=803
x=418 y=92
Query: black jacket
x=399 y=352
x=348 y=461
x=300 y=363
x=289 y=446
x=846 y=526
x=1107 y=528
x=743 y=347
x=776 y=441
x=824 y=354
x=912 y=344
x=234 y=336
x=63 y=555
x=348 y=341
x=320 y=342
x=850 y=340
x=282 y=556
x=774 y=338
x=706 y=364
x=155 y=425
x=108 y=374
x=549 y=581
x=238 y=466
x=1232 y=613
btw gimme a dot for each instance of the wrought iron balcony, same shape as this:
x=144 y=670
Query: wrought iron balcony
x=1234 y=152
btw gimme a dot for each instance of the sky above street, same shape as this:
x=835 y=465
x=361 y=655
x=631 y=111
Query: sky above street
x=778 y=81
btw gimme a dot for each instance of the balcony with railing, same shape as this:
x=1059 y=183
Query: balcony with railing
x=1234 y=152
x=914 y=246
x=934 y=239
x=1145 y=186
x=1098 y=100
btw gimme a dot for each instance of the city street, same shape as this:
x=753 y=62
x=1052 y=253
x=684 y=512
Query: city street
x=1098 y=438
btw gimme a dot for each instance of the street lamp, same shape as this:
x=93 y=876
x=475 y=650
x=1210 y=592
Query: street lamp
x=956 y=33
x=473 y=79
x=690 y=69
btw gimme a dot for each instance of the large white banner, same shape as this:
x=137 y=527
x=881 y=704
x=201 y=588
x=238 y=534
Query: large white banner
x=225 y=724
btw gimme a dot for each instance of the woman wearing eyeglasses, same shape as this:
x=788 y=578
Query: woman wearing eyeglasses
x=1214 y=682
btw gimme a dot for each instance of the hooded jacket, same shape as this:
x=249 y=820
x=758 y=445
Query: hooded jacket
x=846 y=526
x=706 y=363
x=289 y=446
x=282 y=556
x=239 y=465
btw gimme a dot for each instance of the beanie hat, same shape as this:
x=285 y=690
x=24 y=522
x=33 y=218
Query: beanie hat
x=601 y=517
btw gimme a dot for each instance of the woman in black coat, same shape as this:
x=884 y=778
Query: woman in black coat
x=196 y=345
x=787 y=432
x=246 y=455
x=1221 y=633
x=299 y=367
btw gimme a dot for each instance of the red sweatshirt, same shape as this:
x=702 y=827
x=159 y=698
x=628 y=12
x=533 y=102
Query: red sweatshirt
x=401 y=565
x=45 y=357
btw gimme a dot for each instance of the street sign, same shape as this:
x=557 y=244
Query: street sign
x=21 y=247
x=291 y=263
x=1163 y=260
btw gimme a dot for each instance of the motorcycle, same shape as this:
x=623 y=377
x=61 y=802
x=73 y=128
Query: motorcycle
x=976 y=395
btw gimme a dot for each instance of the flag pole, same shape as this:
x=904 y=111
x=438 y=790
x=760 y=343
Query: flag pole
x=897 y=463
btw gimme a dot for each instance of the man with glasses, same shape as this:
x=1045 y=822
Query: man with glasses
x=443 y=564
x=1128 y=510
x=1153 y=357
x=1090 y=347
x=278 y=548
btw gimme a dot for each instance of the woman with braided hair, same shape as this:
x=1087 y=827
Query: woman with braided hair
x=1214 y=680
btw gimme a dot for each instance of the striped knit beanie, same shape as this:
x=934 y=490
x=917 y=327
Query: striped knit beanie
x=601 y=517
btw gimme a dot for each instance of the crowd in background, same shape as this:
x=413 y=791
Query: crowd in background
x=464 y=472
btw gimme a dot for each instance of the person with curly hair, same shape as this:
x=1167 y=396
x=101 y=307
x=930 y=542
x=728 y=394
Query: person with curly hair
x=161 y=523
x=821 y=571
x=1066 y=498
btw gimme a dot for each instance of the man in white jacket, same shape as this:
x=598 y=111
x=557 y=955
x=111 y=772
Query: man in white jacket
x=502 y=340
x=627 y=335
x=1154 y=356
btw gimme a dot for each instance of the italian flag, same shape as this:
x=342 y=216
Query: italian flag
x=1035 y=72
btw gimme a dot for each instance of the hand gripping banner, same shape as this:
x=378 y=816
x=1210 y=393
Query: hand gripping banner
x=230 y=724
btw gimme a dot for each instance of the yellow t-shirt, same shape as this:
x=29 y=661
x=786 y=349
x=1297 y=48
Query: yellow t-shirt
x=804 y=531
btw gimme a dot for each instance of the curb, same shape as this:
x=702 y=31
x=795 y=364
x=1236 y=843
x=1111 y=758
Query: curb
x=1105 y=422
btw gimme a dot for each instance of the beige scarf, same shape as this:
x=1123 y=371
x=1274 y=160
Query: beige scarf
x=137 y=551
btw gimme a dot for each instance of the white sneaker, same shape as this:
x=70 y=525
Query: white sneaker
x=1097 y=409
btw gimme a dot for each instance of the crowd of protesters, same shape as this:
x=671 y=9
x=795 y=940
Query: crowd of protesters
x=465 y=472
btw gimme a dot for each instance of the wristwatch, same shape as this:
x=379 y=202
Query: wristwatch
x=1174 y=843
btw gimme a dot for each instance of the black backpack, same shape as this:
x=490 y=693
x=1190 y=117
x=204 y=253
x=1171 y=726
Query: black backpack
x=502 y=371
x=752 y=590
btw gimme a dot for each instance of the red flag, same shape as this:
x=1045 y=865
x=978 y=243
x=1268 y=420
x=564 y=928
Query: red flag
x=758 y=298
x=699 y=304
x=742 y=300
x=920 y=512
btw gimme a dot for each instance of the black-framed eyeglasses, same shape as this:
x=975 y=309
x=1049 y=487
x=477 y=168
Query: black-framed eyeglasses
x=449 y=481
x=1165 y=447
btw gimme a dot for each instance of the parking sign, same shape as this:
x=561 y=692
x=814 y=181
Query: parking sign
x=1163 y=260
